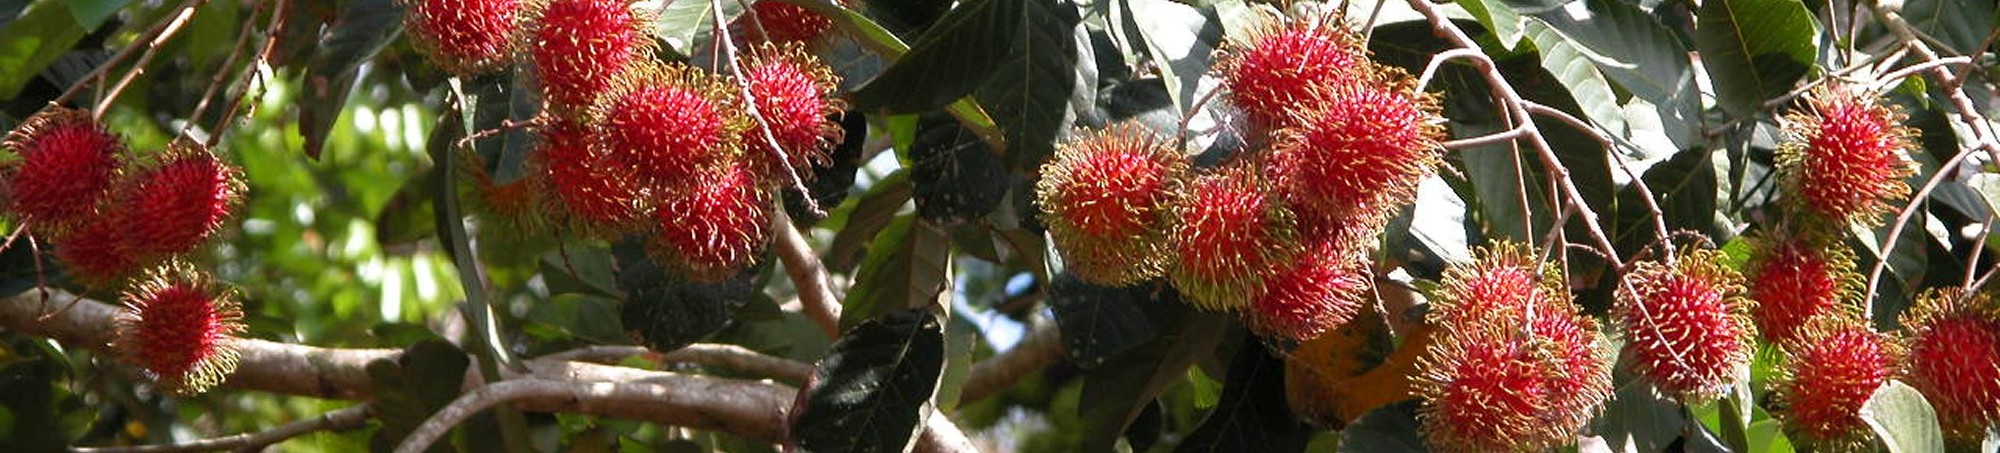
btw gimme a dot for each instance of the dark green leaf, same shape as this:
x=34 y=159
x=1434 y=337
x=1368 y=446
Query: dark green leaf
x=1097 y=322
x=499 y=99
x=867 y=216
x=362 y=29
x=1391 y=428
x=830 y=184
x=1114 y=393
x=36 y=406
x=1252 y=415
x=1036 y=93
x=92 y=13
x=667 y=312
x=954 y=57
x=955 y=176
x=1755 y=50
x=1182 y=42
x=1902 y=419
x=1535 y=6
x=870 y=393
x=18 y=270
x=905 y=269
x=413 y=386
x=1637 y=418
x=1960 y=25
x=1634 y=50
x=1685 y=187
x=30 y=43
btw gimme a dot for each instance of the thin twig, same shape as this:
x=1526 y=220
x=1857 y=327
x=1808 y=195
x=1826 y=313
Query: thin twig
x=1978 y=246
x=725 y=356
x=1894 y=77
x=99 y=73
x=1488 y=139
x=223 y=72
x=139 y=67
x=340 y=420
x=1909 y=211
x=271 y=33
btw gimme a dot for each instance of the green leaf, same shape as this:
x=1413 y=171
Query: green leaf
x=1116 y=392
x=1570 y=65
x=92 y=13
x=1252 y=415
x=865 y=218
x=954 y=57
x=33 y=41
x=498 y=99
x=955 y=176
x=1181 y=41
x=905 y=269
x=1642 y=56
x=1960 y=25
x=363 y=28
x=1535 y=6
x=1391 y=428
x=871 y=392
x=1755 y=50
x=412 y=386
x=1036 y=93
x=669 y=312
x=1902 y=419
x=681 y=25
x=1637 y=418
x=1097 y=322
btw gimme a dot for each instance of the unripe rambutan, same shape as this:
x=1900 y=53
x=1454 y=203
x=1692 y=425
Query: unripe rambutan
x=1828 y=371
x=175 y=205
x=1284 y=65
x=782 y=22
x=1688 y=325
x=671 y=122
x=1231 y=236
x=1794 y=279
x=1322 y=287
x=582 y=45
x=98 y=254
x=1357 y=152
x=1108 y=200
x=715 y=228
x=465 y=37
x=1846 y=158
x=181 y=327
x=518 y=206
x=591 y=192
x=1519 y=372
x=795 y=95
x=69 y=164
x=1953 y=339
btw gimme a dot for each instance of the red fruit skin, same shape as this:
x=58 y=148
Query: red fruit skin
x=670 y=122
x=98 y=254
x=1503 y=278
x=181 y=328
x=582 y=45
x=592 y=193
x=175 y=206
x=1688 y=326
x=1108 y=199
x=69 y=165
x=1357 y=152
x=1318 y=290
x=1284 y=66
x=1232 y=235
x=465 y=37
x=1794 y=281
x=794 y=94
x=1846 y=159
x=716 y=228
x=786 y=23
x=1828 y=372
x=1953 y=341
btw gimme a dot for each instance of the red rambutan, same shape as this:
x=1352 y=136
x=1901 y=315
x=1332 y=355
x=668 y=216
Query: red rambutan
x=794 y=94
x=591 y=192
x=782 y=22
x=582 y=45
x=1793 y=280
x=465 y=37
x=1357 y=153
x=519 y=205
x=1846 y=159
x=1511 y=383
x=1322 y=287
x=671 y=122
x=1232 y=235
x=715 y=228
x=1107 y=199
x=1953 y=339
x=1829 y=370
x=177 y=204
x=1284 y=65
x=68 y=166
x=98 y=254
x=1502 y=278
x=180 y=326
x=1688 y=325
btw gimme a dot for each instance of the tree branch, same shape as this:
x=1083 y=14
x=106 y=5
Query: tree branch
x=339 y=420
x=1040 y=348
x=807 y=273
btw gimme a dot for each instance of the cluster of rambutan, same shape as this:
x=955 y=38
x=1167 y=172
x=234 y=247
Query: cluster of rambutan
x=1283 y=231
x=111 y=214
x=631 y=145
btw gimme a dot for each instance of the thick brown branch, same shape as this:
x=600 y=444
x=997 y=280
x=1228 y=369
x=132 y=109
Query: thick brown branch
x=807 y=273
x=1043 y=346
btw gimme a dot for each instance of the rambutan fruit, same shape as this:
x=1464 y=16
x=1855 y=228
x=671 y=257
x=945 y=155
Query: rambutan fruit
x=1282 y=67
x=1108 y=200
x=715 y=228
x=781 y=22
x=69 y=165
x=670 y=122
x=1828 y=371
x=98 y=254
x=1794 y=279
x=465 y=37
x=1516 y=367
x=180 y=326
x=519 y=206
x=795 y=96
x=1231 y=236
x=582 y=45
x=1687 y=324
x=1953 y=339
x=176 y=204
x=1320 y=288
x=590 y=192
x=1847 y=156
x=1357 y=152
